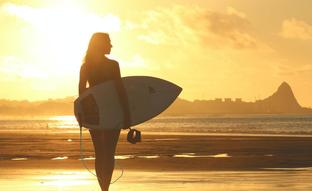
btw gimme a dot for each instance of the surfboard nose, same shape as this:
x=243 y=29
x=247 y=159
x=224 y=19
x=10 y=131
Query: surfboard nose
x=149 y=96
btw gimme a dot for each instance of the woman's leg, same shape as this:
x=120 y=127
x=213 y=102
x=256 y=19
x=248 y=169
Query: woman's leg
x=104 y=143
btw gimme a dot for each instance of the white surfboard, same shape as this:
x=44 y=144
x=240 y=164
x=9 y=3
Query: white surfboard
x=99 y=107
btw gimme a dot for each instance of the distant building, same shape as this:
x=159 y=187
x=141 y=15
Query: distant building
x=227 y=100
x=218 y=100
x=238 y=100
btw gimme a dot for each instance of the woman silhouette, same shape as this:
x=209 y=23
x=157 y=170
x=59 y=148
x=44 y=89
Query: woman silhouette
x=96 y=69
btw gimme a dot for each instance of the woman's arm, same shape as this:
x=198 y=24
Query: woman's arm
x=122 y=97
x=82 y=80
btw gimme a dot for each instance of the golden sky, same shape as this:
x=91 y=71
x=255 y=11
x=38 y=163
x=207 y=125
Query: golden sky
x=211 y=48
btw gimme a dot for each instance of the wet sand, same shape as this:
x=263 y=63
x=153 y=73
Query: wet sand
x=167 y=162
x=159 y=152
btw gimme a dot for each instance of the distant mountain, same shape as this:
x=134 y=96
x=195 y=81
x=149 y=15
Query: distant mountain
x=282 y=101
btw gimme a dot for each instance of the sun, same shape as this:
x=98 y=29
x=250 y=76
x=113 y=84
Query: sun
x=68 y=32
x=52 y=40
x=61 y=32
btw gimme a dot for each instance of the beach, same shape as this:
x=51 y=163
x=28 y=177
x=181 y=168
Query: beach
x=219 y=89
x=50 y=160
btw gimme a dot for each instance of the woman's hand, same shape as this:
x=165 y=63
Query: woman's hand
x=127 y=122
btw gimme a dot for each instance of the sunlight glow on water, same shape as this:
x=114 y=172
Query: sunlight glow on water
x=18 y=159
x=63 y=118
x=60 y=158
x=63 y=122
x=192 y=155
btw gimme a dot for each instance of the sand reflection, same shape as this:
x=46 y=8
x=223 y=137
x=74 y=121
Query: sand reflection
x=65 y=179
x=77 y=180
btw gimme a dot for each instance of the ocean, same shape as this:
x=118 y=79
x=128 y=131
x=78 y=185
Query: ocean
x=297 y=125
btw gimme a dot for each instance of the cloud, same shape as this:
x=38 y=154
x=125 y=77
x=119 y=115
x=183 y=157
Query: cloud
x=14 y=68
x=232 y=11
x=137 y=61
x=284 y=68
x=296 y=29
x=180 y=25
x=62 y=18
x=302 y=70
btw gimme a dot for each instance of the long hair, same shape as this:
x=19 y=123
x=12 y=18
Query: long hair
x=96 y=43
